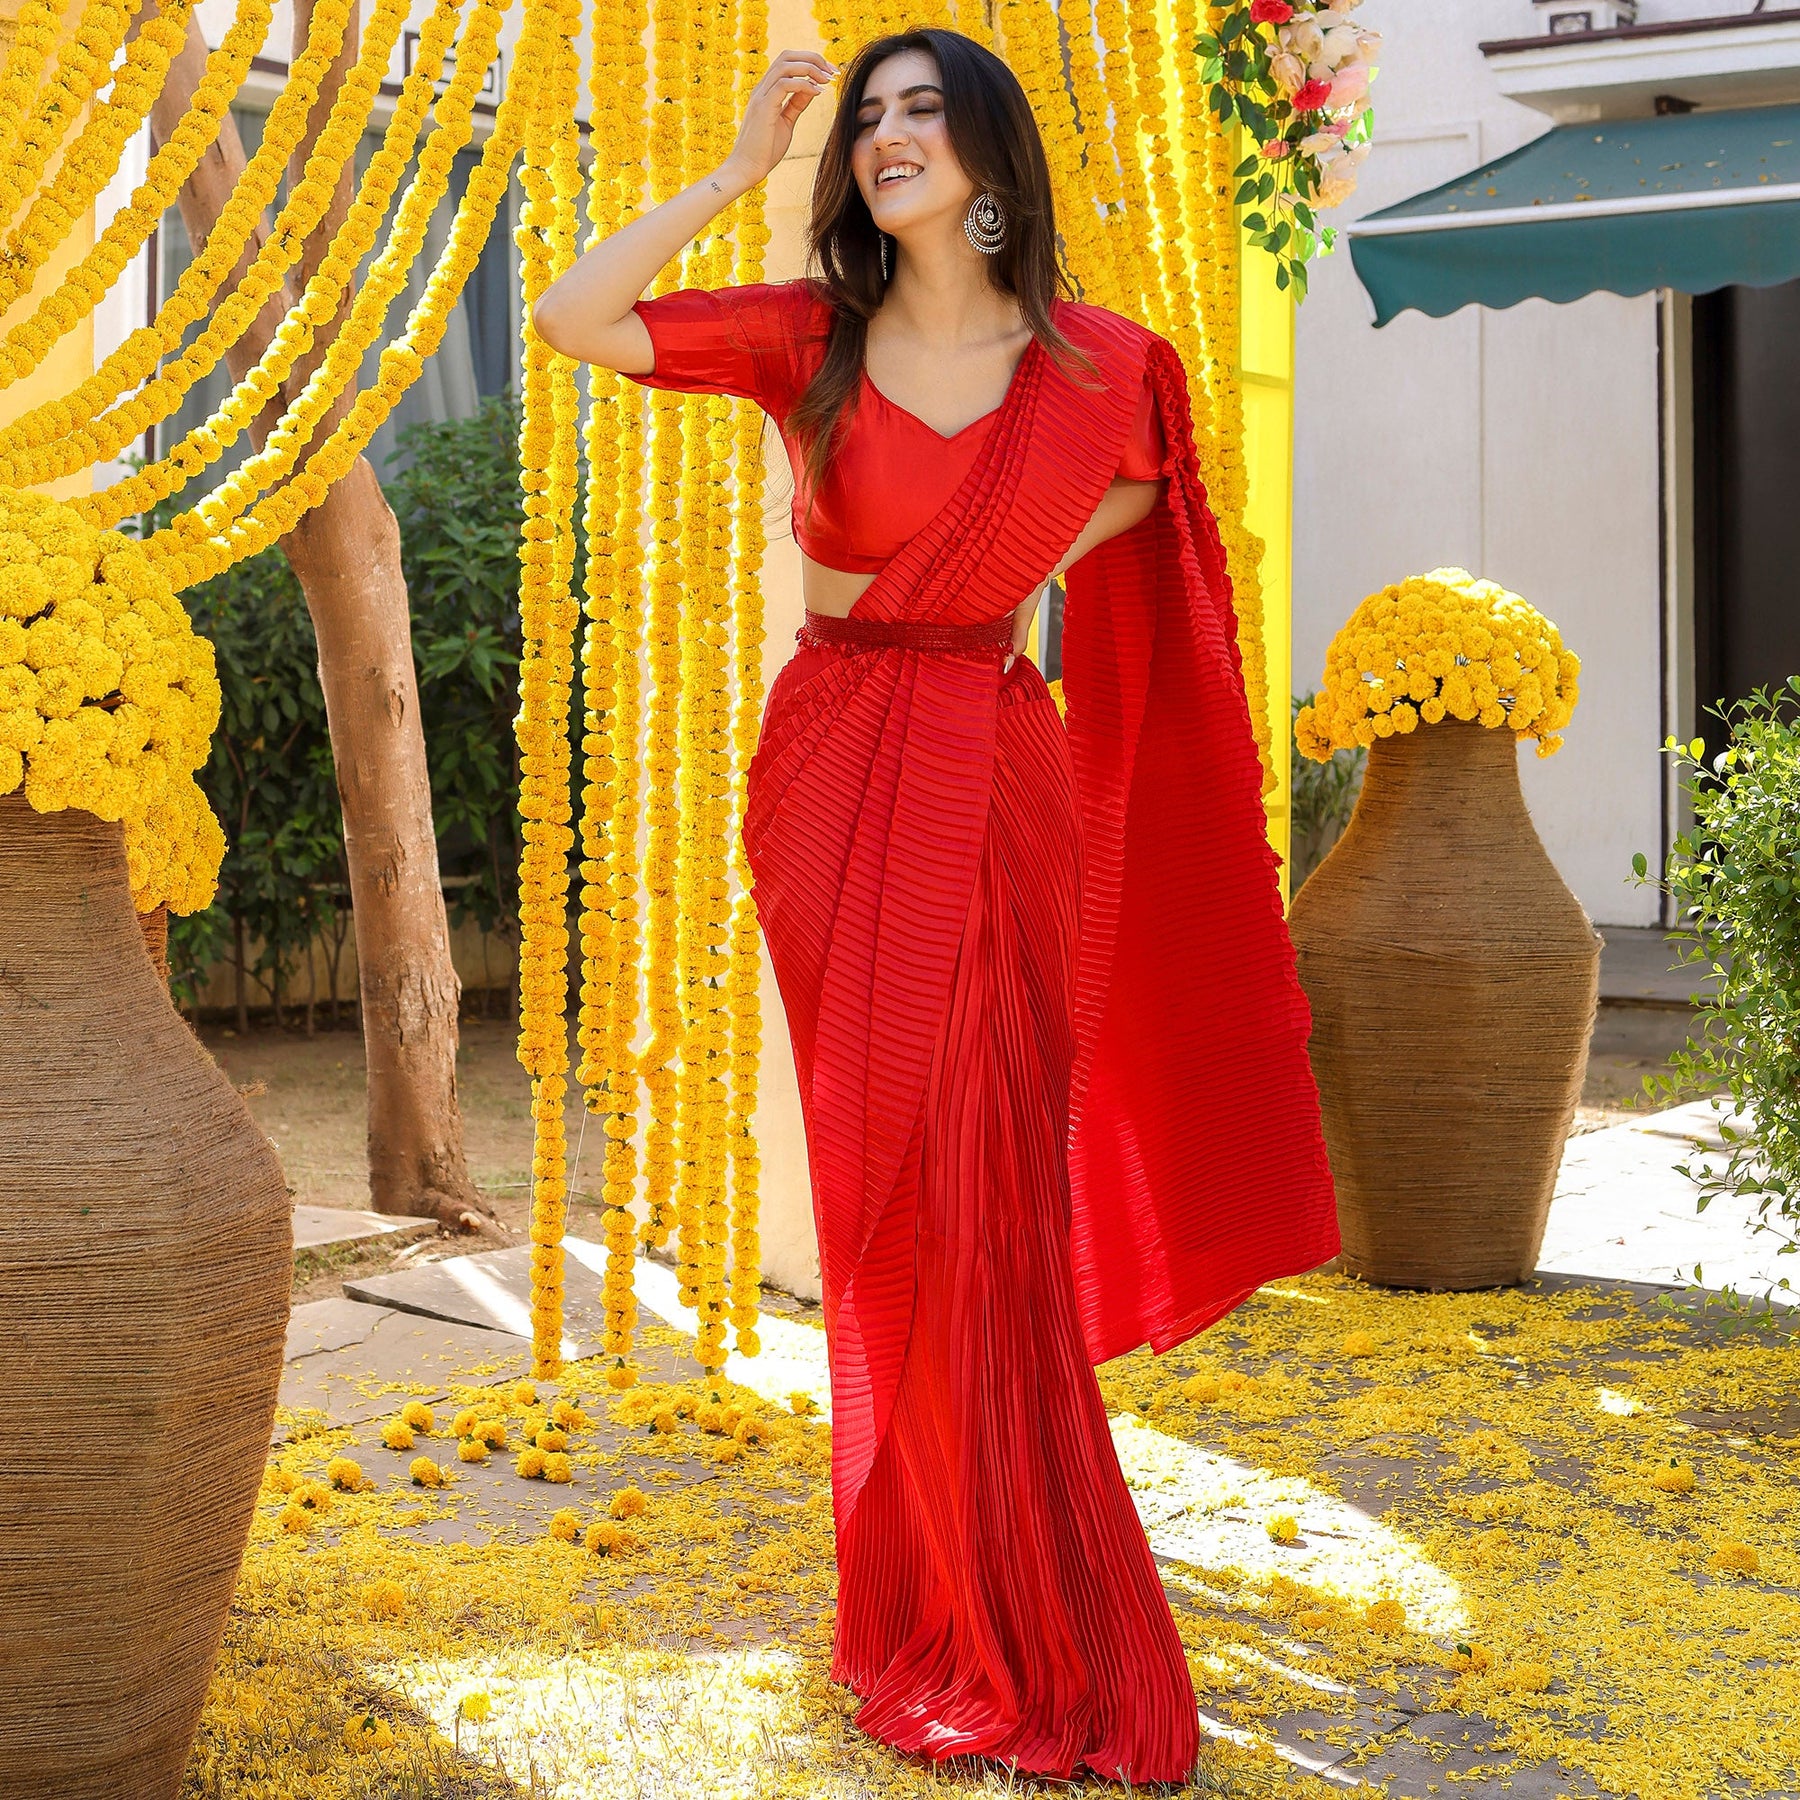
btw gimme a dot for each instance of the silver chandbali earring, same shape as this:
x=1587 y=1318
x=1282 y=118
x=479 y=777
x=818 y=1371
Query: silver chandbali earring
x=886 y=272
x=985 y=222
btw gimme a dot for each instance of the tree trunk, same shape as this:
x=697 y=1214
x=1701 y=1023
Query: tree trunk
x=346 y=556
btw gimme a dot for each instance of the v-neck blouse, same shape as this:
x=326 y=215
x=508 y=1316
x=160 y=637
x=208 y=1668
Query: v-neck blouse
x=891 y=474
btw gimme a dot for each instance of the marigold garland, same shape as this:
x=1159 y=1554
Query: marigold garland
x=133 y=363
x=27 y=343
x=547 y=612
x=609 y=805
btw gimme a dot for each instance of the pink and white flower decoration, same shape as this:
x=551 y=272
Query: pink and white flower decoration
x=1296 y=77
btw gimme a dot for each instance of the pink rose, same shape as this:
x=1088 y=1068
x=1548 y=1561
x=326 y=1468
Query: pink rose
x=1277 y=150
x=1345 y=86
x=1270 y=12
x=1314 y=95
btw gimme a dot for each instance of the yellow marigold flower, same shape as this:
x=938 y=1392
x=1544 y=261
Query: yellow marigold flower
x=621 y=1375
x=802 y=1406
x=628 y=1503
x=557 y=1467
x=426 y=1473
x=283 y=1481
x=1283 y=1528
x=1358 y=1343
x=472 y=1450
x=492 y=1432
x=385 y=1599
x=1202 y=1389
x=565 y=1526
x=365 y=1732
x=664 y=1419
x=1311 y=1618
x=549 y=1438
x=710 y=1418
x=1385 y=1615
x=343 y=1473
x=530 y=1463
x=475 y=1708
x=1467 y=1657
x=1674 y=1478
x=605 y=1538
x=568 y=1417
x=296 y=1519
x=525 y=1394
x=417 y=1415
x=727 y=1452
x=750 y=1431
x=1526 y=1678
x=313 y=1495
x=397 y=1435
x=463 y=1425
x=1733 y=1558
x=1233 y=1381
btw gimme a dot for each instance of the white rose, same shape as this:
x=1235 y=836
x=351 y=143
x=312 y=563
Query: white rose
x=1341 y=46
x=1289 y=71
x=1320 y=143
x=1303 y=38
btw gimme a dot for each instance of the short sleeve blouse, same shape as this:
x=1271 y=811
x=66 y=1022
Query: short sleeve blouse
x=892 y=472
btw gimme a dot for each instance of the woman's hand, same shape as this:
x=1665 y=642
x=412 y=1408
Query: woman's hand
x=789 y=85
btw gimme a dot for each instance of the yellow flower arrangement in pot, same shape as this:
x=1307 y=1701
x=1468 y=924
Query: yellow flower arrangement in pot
x=1435 y=647
x=1452 y=974
x=108 y=700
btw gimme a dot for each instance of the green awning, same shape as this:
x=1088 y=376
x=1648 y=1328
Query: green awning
x=1691 y=201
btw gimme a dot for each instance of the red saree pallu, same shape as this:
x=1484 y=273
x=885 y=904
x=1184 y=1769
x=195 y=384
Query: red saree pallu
x=1051 y=1057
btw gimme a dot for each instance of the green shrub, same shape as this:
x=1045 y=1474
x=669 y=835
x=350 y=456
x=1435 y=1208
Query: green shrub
x=1735 y=881
x=1323 y=796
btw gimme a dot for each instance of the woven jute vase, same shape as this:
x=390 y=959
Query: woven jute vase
x=1453 y=979
x=145 y=1263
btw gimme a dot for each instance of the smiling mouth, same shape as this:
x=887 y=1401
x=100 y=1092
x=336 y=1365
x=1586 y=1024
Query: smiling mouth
x=899 y=172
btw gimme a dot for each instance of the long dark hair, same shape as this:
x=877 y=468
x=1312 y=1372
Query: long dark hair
x=995 y=138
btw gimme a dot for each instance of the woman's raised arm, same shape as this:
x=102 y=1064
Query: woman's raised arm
x=587 y=312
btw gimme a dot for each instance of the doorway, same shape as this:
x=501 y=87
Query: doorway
x=1746 y=449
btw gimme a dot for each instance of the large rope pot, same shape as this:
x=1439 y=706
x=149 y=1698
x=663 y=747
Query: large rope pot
x=1453 y=979
x=145 y=1263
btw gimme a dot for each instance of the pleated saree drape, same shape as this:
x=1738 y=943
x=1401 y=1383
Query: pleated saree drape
x=1051 y=1056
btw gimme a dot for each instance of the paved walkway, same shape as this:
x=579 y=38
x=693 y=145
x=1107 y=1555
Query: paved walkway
x=1623 y=1222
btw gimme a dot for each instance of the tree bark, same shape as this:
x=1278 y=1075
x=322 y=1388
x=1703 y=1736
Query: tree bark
x=346 y=556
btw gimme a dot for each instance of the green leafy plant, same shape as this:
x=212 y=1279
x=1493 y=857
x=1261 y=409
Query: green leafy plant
x=1735 y=882
x=1322 y=798
x=1295 y=76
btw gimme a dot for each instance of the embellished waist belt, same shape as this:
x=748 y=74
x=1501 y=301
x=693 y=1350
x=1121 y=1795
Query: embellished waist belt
x=991 y=637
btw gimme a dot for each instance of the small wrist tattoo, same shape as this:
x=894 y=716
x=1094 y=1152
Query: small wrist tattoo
x=714 y=185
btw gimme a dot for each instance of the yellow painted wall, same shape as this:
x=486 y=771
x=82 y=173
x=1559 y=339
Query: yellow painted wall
x=72 y=360
x=1266 y=367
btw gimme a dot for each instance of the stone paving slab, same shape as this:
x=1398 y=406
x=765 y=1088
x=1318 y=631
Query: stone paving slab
x=317 y=1226
x=1624 y=1211
x=338 y=1366
x=490 y=1290
x=1641 y=964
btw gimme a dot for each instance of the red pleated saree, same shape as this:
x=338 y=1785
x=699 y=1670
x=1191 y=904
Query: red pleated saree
x=1051 y=1055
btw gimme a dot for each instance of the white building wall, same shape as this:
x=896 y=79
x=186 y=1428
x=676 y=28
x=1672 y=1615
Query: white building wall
x=1519 y=444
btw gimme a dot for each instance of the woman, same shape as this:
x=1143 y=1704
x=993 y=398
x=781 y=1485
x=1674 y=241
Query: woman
x=1050 y=1046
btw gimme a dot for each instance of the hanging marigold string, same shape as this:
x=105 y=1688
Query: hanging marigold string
x=610 y=673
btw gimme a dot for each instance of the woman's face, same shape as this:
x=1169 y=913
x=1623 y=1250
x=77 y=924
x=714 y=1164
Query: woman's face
x=901 y=153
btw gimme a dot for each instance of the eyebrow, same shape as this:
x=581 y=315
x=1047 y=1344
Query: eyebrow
x=923 y=87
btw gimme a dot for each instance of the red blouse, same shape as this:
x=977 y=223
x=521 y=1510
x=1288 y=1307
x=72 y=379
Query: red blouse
x=892 y=472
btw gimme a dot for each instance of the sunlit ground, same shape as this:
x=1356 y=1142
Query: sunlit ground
x=1344 y=1485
